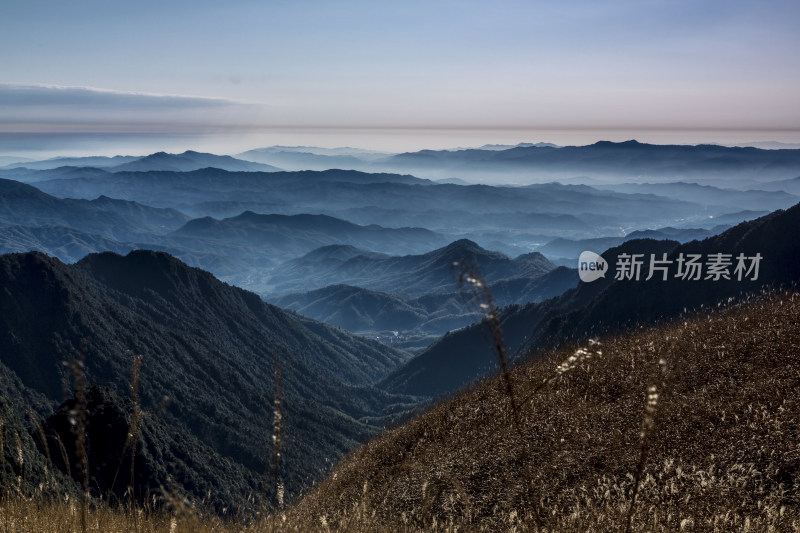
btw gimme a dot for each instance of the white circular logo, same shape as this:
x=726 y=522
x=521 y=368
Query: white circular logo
x=591 y=266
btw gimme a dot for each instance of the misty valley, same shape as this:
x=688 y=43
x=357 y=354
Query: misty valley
x=346 y=290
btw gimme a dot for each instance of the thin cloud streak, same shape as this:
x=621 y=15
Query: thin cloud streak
x=48 y=108
x=61 y=111
x=57 y=95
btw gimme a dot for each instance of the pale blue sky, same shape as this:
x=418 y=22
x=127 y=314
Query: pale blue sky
x=292 y=70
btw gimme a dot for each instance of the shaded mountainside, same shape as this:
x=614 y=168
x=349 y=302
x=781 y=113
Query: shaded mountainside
x=23 y=468
x=609 y=305
x=209 y=347
x=411 y=275
x=715 y=396
x=168 y=458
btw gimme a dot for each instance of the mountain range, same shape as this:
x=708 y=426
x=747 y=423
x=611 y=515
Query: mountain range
x=550 y=208
x=372 y=270
x=609 y=305
x=186 y=161
x=605 y=160
x=525 y=163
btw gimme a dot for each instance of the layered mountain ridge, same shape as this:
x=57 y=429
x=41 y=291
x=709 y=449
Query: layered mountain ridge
x=609 y=305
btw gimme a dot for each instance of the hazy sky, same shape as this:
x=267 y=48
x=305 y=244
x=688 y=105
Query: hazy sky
x=82 y=75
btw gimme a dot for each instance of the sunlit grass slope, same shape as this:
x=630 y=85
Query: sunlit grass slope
x=706 y=410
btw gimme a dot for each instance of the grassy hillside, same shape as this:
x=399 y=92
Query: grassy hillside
x=714 y=396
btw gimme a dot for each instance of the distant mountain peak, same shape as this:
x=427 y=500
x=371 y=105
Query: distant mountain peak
x=631 y=142
x=152 y=258
x=146 y=271
x=340 y=252
x=464 y=249
x=247 y=215
x=251 y=216
x=191 y=160
x=463 y=244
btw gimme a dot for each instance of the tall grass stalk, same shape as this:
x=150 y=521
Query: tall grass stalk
x=78 y=418
x=478 y=297
x=277 y=441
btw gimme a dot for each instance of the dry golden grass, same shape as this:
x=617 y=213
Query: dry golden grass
x=26 y=515
x=700 y=419
x=709 y=407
